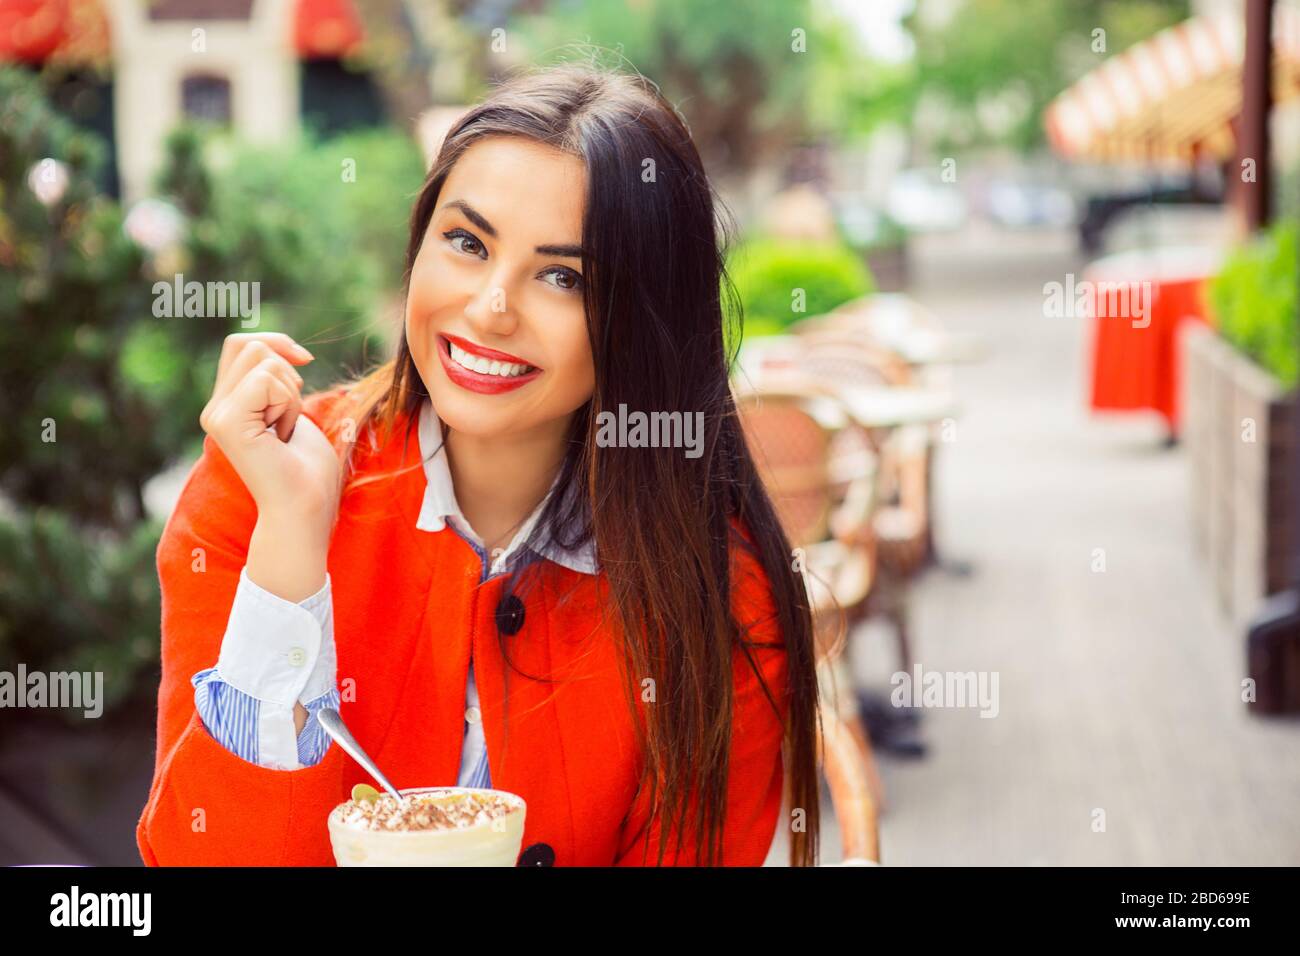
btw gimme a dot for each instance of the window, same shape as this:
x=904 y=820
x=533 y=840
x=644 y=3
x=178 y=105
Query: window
x=206 y=98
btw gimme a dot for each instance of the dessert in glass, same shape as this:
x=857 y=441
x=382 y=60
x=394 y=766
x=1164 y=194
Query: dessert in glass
x=432 y=826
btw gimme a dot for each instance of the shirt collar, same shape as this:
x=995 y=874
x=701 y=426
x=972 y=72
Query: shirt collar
x=440 y=507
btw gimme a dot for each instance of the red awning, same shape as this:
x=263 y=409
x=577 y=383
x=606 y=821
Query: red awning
x=33 y=31
x=326 y=28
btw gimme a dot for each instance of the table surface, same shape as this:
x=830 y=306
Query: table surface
x=871 y=406
x=1159 y=264
x=925 y=347
x=917 y=347
x=878 y=407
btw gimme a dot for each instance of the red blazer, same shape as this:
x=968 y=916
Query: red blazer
x=408 y=609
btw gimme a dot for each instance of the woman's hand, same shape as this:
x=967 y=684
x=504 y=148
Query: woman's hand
x=285 y=461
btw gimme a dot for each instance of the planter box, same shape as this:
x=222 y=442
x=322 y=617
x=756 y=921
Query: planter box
x=1200 y=365
x=1210 y=436
x=1263 y=531
x=1238 y=437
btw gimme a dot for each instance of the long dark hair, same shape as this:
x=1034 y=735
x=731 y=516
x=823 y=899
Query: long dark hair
x=655 y=286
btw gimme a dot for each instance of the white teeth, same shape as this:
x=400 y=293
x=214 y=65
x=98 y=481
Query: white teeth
x=486 y=366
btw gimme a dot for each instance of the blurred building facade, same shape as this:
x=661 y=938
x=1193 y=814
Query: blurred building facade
x=263 y=68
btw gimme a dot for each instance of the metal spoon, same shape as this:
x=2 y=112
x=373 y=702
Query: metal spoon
x=333 y=723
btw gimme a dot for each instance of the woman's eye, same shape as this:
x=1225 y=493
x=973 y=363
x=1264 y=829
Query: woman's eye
x=563 y=278
x=463 y=241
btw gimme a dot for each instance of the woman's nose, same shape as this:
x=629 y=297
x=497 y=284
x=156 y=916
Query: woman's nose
x=489 y=308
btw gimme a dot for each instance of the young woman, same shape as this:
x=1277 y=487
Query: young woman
x=453 y=553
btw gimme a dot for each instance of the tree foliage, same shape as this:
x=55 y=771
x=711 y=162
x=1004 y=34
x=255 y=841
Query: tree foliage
x=990 y=68
x=102 y=390
x=739 y=71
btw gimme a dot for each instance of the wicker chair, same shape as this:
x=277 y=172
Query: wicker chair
x=825 y=512
x=888 y=322
x=900 y=525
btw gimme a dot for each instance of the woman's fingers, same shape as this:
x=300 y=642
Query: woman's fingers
x=277 y=342
x=243 y=351
x=289 y=417
x=255 y=417
x=263 y=398
x=254 y=355
x=258 y=400
x=245 y=360
x=281 y=395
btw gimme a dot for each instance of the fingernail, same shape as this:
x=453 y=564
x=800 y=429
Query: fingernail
x=303 y=350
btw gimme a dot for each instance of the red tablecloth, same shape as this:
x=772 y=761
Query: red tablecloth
x=1137 y=302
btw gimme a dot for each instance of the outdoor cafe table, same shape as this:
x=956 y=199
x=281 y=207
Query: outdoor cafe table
x=927 y=347
x=876 y=406
x=772 y=362
x=891 y=320
x=1137 y=302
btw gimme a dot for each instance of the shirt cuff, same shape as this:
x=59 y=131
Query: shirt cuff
x=232 y=718
x=279 y=653
x=313 y=742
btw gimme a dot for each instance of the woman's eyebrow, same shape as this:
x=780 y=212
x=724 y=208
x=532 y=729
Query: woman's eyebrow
x=473 y=215
x=564 y=252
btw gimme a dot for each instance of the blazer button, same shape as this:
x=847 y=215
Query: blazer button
x=539 y=854
x=510 y=615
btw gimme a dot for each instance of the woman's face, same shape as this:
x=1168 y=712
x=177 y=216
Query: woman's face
x=494 y=314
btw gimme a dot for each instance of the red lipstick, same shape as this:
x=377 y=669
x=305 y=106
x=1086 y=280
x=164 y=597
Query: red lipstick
x=482 y=382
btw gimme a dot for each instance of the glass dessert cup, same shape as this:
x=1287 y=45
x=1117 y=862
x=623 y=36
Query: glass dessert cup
x=487 y=842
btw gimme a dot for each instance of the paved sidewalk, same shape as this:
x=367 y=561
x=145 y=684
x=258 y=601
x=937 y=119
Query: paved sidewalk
x=1119 y=690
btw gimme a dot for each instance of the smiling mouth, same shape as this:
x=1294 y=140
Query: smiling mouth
x=480 y=369
x=493 y=365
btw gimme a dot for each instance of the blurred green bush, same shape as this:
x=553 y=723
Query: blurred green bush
x=101 y=395
x=1256 y=303
x=779 y=282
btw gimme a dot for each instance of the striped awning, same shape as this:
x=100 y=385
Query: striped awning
x=1174 y=96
